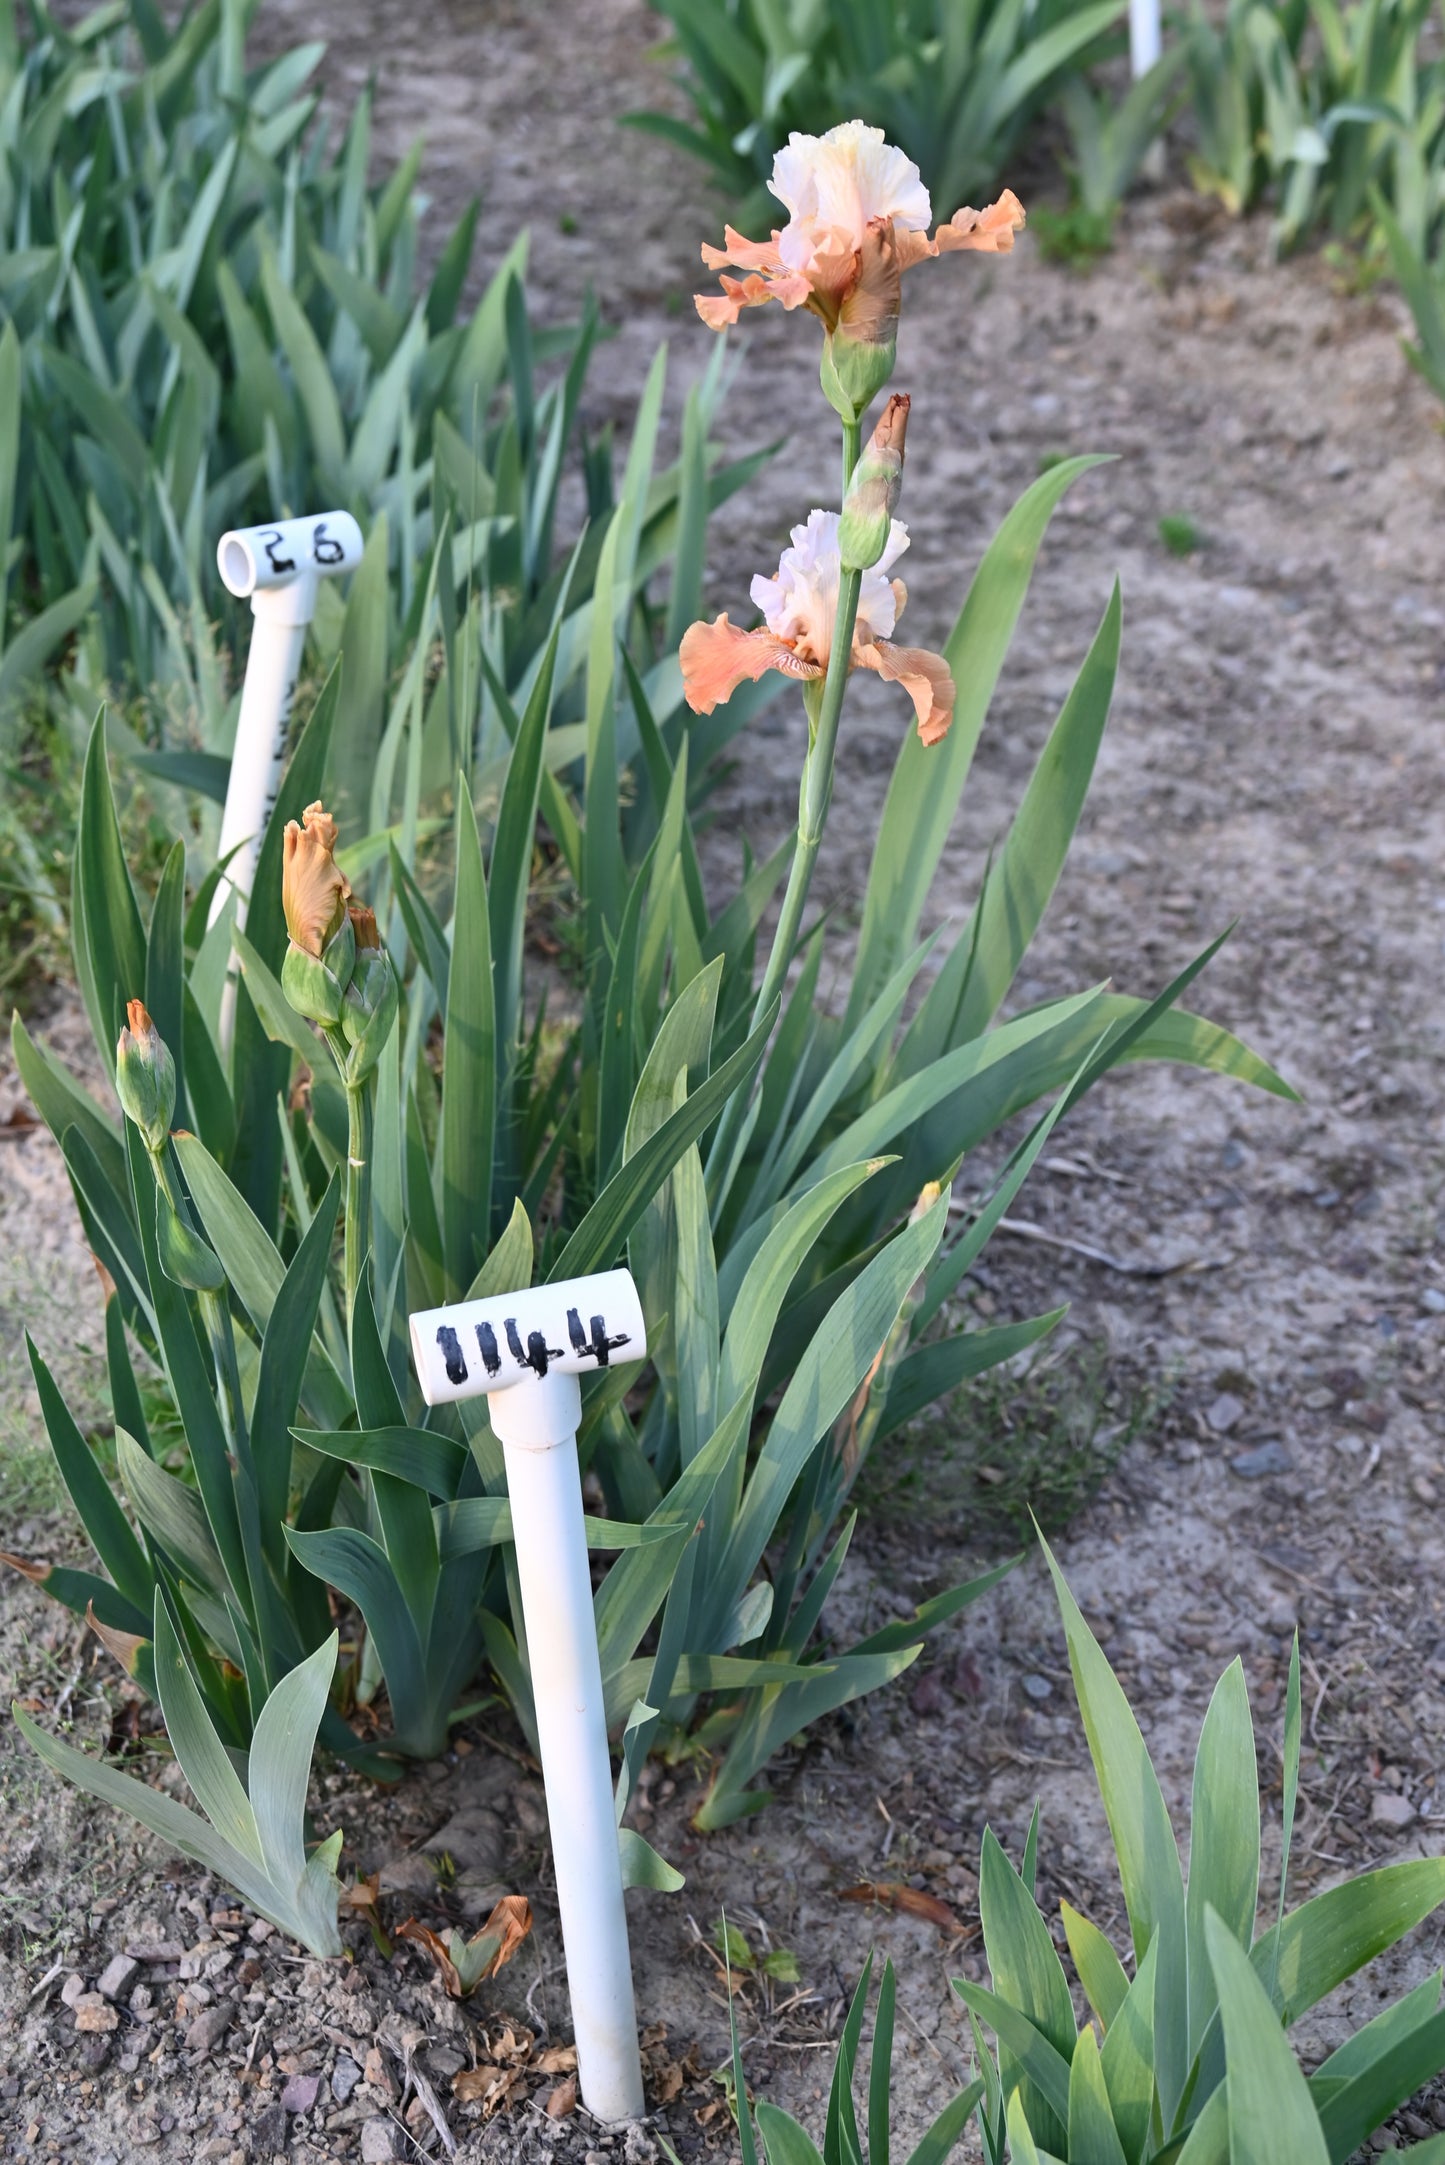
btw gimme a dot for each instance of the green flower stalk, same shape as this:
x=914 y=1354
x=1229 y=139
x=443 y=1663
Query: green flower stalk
x=367 y=1018
x=830 y=610
x=145 y=1081
x=338 y=975
x=858 y=218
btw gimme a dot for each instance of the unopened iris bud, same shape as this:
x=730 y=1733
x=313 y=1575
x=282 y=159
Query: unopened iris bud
x=145 y=1076
x=874 y=490
x=859 y=354
x=370 y=1006
x=314 y=892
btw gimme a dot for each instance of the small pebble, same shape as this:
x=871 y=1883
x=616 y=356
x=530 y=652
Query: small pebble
x=299 y=2094
x=1389 y=1809
x=344 y=2078
x=1265 y=1458
x=1038 y=1687
x=1224 y=1412
x=119 y=1974
x=381 y=2141
x=379 y=2076
x=93 y=2013
x=72 y=1989
x=208 y=2029
x=267 y=2132
x=1433 y=1299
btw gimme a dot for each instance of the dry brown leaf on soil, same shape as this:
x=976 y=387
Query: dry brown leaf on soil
x=562 y=2100
x=913 y=1901
x=556 y=2060
x=666 y=2077
x=362 y=1894
x=493 y=2088
x=666 y=2082
x=511 y=2047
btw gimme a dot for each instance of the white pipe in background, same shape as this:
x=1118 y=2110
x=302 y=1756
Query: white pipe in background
x=526 y=1350
x=277 y=568
x=1144 y=36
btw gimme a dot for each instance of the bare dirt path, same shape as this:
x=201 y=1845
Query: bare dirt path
x=1275 y=757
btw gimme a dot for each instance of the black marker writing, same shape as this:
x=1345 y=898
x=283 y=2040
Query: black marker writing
x=600 y=1346
x=538 y=1352
x=487 y=1342
x=273 y=540
x=452 y=1353
x=325 y=547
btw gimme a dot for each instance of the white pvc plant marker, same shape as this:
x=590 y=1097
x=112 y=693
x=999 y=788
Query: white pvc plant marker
x=277 y=569
x=1144 y=37
x=527 y=1351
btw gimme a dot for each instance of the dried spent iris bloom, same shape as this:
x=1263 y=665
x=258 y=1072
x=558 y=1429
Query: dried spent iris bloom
x=799 y=608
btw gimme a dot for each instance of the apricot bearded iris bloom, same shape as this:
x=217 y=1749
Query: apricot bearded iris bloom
x=858 y=215
x=799 y=607
x=314 y=889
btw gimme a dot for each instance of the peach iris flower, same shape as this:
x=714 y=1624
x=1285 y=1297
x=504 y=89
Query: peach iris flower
x=799 y=607
x=314 y=889
x=849 y=196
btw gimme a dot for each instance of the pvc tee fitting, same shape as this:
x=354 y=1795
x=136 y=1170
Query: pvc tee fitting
x=491 y=1346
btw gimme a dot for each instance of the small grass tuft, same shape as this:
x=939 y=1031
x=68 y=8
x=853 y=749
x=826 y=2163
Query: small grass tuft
x=1073 y=236
x=1010 y=1444
x=1180 y=535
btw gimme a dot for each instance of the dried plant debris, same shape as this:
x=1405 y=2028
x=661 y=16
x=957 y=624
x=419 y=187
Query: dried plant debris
x=464 y=1963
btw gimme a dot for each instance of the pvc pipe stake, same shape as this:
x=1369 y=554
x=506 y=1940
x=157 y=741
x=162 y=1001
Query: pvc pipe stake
x=526 y=1350
x=278 y=569
x=1144 y=36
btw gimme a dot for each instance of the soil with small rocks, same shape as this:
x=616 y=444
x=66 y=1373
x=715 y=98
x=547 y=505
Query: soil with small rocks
x=1274 y=758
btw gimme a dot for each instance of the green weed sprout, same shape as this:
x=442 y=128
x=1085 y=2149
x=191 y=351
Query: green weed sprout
x=1187 y=2061
x=253 y=1832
